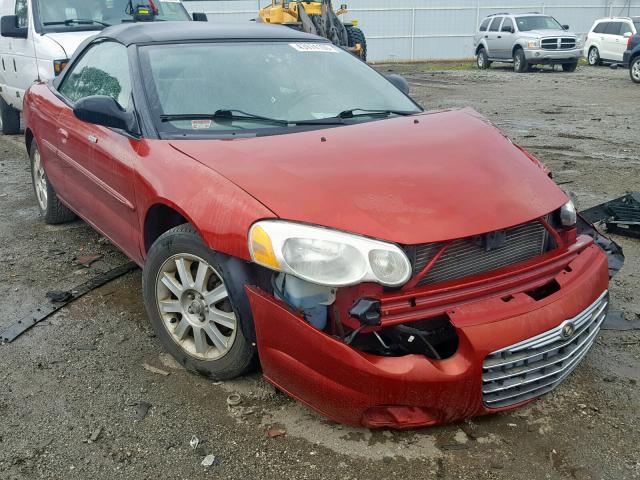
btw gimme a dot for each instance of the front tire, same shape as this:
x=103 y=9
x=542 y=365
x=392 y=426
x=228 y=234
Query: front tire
x=570 y=67
x=594 y=57
x=10 y=118
x=191 y=309
x=51 y=208
x=356 y=36
x=520 y=63
x=482 y=59
x=634 y=70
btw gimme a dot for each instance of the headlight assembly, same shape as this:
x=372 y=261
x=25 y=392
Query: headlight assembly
x=568 y=215
x=327 y=257
x=533 y=44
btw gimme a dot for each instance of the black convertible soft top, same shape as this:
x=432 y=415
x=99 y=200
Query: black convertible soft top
x=178 y=32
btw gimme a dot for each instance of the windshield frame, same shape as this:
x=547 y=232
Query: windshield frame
x=93 y=27
x=153 y=115
x=537 y=16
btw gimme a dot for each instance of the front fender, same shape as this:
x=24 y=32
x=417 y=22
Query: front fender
x=220 y=211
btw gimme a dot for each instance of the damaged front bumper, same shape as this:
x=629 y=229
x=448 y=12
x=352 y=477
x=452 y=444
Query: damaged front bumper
x=489 y=315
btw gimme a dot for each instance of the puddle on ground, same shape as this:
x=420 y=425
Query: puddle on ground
x=303 y=423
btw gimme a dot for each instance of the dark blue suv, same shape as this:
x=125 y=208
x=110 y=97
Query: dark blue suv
x=631 y=57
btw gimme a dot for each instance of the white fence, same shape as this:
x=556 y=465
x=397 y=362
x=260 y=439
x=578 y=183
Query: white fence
x=430 y=29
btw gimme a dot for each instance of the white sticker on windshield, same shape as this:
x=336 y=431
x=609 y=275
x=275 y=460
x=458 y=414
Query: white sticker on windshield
x=314 y=47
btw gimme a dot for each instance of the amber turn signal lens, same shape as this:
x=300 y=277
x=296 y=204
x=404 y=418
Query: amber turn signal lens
x=262 y=248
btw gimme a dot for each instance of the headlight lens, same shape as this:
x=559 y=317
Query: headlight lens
x=325 y=256
x=568 y=215
x=533 y=44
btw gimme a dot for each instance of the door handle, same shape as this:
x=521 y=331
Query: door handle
x=499 y=36
x=92 y=138
x=64 y=135
x=486 y=36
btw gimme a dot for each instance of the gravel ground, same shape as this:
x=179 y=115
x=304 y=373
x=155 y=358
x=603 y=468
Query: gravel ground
x=76 y=401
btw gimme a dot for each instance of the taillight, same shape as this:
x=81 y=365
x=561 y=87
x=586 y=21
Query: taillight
x=629 y=42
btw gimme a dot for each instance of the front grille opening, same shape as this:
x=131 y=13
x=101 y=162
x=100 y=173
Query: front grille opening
x=435 y=338
x=544 y=291
x=466 y=257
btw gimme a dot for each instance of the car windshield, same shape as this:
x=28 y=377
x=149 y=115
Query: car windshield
x=537 y=22
x=74 y=15
x=278 y=84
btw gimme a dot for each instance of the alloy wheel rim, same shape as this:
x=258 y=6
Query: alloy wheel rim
x=516 y=62
x=40 y=181
x=195 y=308
x=635 y=70
x=480 y=60
x=593 y=56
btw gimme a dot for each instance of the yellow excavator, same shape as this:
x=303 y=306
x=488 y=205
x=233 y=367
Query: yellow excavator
x=319 y=18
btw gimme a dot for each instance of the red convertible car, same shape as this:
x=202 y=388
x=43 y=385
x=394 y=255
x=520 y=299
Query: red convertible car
x=387 y=266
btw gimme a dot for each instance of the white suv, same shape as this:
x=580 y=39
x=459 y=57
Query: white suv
x=607 y=39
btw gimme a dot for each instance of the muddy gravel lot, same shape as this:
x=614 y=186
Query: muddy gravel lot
x=79 y=400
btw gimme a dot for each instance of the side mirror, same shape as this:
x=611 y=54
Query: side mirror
x=399 y=82
x=565 y=27
x=627 y=35
x=9 y=27
x=104 y=110
x=200 y=17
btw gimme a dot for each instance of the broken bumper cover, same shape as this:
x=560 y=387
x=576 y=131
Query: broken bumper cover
x=356 y=388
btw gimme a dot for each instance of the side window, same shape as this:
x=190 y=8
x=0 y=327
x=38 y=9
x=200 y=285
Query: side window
x=625 y=28
x=507 y=25
x=613 y=28
x=22 y=12
x=601 y=27
x=495 y=25
x=484 y=24
x=102 y=70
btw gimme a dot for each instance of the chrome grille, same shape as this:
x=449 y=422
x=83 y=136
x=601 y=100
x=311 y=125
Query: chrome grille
x=558 y=43
x=538 y=365
x=465 y=257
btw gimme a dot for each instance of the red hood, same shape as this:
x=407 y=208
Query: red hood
x=451 y=175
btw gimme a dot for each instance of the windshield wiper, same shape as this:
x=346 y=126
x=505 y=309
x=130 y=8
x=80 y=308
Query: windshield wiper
x=222 y=115
x=363 y=112
x=77 y=21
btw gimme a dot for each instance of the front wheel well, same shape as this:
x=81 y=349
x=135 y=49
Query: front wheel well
x=160 y=218
x=480 y=47
x=515 y=49
x=28 y=139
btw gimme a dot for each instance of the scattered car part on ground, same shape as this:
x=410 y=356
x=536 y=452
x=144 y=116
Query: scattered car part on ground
x=616 y=321
x=317 y=17
x=607 y=39
x=357 y=297
x=59 y=300
x=615 y=255
x=620 y=216
x=525 y=40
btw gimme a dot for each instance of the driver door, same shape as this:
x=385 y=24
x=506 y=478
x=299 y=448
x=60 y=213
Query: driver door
x=100 y=161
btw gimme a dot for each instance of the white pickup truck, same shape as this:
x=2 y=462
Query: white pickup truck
x=38 y=37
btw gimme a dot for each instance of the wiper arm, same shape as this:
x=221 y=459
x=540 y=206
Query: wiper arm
x=365 y=112
x=222 y=115
x=77 y=21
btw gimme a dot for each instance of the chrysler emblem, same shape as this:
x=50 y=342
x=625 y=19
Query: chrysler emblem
x=568 y=329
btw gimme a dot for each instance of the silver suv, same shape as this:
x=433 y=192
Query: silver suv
x=525 y=40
